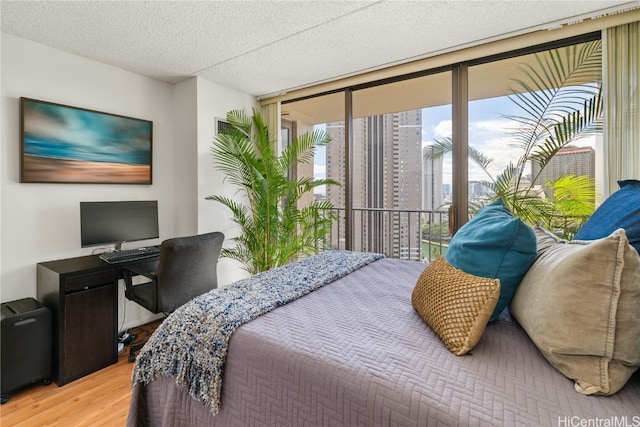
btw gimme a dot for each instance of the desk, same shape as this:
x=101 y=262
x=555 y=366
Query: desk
x=82 y=294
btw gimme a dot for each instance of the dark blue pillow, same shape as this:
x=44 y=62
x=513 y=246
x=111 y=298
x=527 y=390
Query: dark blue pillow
x=497 y=245
x=620 y=210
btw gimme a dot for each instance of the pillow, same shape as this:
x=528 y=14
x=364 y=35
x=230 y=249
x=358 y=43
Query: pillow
x=494 y=244
x=620 y=210
x=580 y=305
x=456 y=305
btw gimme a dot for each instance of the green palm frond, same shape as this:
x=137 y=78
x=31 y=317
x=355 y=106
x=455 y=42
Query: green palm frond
x=578 y=123
x=549 y=94
x=558 y=80
x=559 y=101
x=439 y=149
x=575 y=196
x=302 y=149
x=505 y=183
x=554 y=86
x=573 y=203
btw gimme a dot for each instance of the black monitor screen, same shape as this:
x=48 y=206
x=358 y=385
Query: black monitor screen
x=103 y=223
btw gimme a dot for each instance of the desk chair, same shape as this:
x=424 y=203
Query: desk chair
x=186 y=268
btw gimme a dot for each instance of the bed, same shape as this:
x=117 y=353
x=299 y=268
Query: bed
x=354 y=352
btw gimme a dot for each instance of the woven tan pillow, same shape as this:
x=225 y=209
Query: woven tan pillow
x=456 y=305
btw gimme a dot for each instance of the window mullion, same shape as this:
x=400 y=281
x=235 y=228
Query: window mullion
x=460 y=135
x=348 y=164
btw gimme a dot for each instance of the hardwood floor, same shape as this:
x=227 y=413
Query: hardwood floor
x=98 y=399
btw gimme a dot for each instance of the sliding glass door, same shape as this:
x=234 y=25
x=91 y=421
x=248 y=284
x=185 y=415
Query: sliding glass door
x=399 y=202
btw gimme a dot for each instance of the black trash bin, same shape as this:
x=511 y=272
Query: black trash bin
x=25 y=345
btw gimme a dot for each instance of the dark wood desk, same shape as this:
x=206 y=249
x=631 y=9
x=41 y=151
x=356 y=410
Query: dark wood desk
x=82 y=294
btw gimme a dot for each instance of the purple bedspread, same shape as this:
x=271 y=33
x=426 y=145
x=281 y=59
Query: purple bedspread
x=355 y=353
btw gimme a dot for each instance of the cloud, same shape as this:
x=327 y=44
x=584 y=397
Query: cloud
x=492 y=138
x=443 y=129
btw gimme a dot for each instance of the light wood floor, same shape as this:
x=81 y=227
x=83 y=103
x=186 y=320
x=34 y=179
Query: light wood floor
x=98 y=399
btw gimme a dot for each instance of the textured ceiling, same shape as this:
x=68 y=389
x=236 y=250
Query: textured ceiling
x=270 y=47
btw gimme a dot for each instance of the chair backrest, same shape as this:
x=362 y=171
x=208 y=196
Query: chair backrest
x=187 y=268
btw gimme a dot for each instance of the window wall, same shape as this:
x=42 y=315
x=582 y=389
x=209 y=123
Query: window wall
x=397 y=195
x=418 y=154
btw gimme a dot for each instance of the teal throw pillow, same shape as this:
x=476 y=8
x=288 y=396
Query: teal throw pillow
x=497 y=245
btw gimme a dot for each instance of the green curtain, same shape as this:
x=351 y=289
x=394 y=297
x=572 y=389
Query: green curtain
x=622 y=116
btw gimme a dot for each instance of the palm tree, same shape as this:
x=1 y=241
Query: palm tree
x=274 y=228
x=558 y=102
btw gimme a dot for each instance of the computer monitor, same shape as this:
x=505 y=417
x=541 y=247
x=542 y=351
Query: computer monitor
x=105 y=223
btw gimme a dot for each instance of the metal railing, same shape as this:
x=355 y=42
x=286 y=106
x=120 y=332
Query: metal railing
x=410 y=234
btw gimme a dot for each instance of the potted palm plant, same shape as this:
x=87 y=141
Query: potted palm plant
x=274 y=228
x=557 y=103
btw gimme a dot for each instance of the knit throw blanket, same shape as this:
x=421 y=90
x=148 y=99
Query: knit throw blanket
x=191 y=344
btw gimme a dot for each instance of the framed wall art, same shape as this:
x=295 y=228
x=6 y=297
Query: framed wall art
x=63 y=144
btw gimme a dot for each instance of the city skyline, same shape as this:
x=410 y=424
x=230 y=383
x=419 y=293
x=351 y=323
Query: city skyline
x=396 y=191
x=489 y=133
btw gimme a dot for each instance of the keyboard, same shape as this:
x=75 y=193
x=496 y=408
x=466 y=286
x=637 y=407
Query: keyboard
x=130 y=254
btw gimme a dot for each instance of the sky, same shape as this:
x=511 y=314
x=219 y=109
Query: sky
x=61 y=132
x=485 y=133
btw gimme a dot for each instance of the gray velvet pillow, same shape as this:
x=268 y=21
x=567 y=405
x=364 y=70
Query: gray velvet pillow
x=580 y=304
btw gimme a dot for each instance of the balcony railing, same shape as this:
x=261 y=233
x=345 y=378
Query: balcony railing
x=410 y=234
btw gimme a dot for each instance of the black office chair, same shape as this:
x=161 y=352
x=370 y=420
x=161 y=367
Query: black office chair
x=186 y=268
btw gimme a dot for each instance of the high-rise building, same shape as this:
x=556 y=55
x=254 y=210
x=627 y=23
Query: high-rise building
x=387 y=171
x=432 y=187
x=569 y=160
x=446 y=192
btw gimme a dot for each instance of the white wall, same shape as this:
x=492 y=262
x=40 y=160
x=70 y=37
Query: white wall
x=40 y=222
x=185 y=145
x=214 y=101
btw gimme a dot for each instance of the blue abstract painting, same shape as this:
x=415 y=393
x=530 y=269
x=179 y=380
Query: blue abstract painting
x=63 y=144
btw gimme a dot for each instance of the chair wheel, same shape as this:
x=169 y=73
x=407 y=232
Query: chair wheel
x=4 y=399
x=133 y=350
